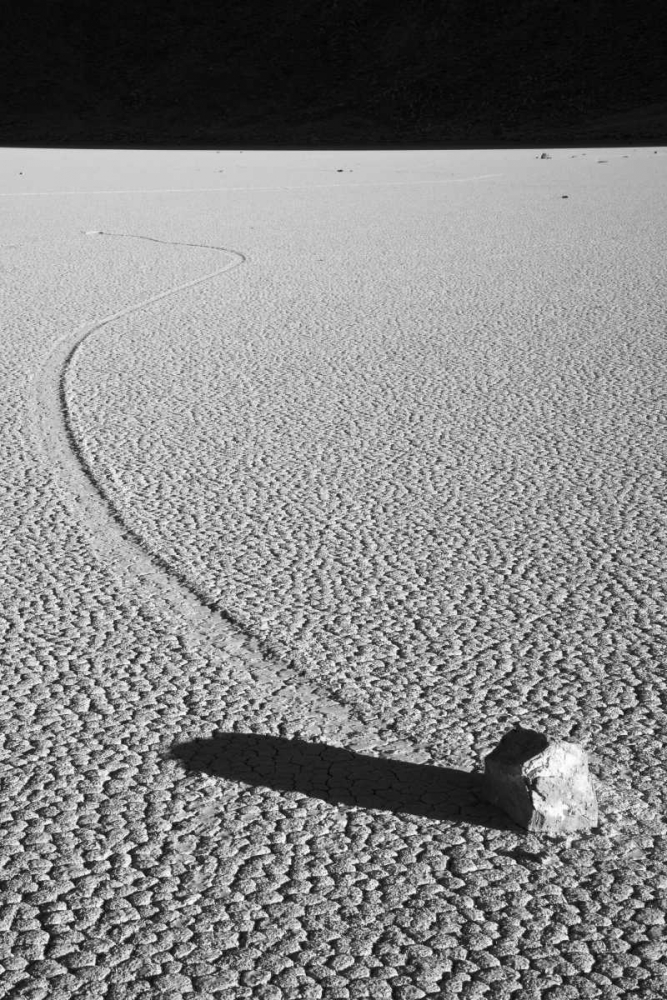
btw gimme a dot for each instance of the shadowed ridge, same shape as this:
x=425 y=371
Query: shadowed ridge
x=377 y=72
x=343 y=777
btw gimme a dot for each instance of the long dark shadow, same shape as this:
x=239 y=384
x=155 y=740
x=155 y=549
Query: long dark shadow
x=344 y=777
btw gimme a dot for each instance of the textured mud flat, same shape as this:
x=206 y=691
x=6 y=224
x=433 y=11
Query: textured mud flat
x=314 y=483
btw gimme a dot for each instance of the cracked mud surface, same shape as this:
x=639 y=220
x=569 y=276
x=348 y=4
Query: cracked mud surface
x=329 y=516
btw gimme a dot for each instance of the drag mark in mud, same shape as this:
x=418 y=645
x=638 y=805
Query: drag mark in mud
x=170 y=594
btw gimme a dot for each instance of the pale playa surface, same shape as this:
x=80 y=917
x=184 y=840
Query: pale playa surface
x=408 y=433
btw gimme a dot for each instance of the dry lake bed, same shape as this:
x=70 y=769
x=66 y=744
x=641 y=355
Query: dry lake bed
x=319 y=472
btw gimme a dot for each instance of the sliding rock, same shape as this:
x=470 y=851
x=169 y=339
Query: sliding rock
x=545 y=787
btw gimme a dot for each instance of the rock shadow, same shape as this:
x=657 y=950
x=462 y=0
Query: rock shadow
x=344 y=777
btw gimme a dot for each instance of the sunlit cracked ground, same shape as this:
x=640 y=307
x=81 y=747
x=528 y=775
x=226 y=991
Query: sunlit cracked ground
x=391 y=426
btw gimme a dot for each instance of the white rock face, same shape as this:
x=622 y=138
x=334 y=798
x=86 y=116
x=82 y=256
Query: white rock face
x=545 y=787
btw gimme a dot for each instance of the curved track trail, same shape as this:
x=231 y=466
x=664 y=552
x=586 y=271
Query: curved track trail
x=238 y=187
x=119 y=546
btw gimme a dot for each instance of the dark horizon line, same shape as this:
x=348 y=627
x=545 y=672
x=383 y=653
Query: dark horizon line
x=541 y=143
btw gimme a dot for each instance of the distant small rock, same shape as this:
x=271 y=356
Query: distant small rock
x=565 y=196
x=545 y=156
x=544 y=787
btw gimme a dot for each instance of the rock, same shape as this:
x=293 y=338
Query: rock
x=545 y=156
x=544 y=787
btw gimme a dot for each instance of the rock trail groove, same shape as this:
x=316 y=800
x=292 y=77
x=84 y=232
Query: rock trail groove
x=264 y=187
x=118 y=545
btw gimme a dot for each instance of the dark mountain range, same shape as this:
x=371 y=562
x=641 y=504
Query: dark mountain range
x=320 y=73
